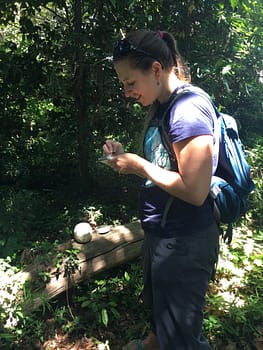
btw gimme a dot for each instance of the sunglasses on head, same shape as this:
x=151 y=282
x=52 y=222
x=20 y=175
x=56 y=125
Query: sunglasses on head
x=123 y=47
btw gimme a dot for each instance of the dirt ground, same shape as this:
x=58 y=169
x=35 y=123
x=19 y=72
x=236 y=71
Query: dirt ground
x=64 y=342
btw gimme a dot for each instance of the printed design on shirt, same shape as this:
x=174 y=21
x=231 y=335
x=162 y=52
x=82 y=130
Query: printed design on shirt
x=155 y=151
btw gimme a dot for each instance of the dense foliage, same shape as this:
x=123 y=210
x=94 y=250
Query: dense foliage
x=60 y=99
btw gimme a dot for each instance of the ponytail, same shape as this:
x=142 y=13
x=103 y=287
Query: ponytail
x=181 y=68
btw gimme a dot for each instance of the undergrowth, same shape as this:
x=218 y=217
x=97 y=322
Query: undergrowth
x=107 y=307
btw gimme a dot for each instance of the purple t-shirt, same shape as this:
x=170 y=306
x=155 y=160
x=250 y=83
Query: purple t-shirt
x=191 y=115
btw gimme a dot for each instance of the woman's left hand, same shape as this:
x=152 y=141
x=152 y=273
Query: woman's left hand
x=112 y=147
x=126 y=163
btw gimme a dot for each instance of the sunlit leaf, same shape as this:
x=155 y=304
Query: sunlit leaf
x=226 y=69
x=126 y=276
x=104 y=317
x=233 y=3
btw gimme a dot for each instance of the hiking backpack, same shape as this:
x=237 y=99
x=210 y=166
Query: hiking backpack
x=232 y=182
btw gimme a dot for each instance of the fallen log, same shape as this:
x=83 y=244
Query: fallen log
x=104 y=251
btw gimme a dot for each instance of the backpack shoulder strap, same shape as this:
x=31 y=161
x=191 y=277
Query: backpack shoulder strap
x=162 y=122
x=177 y=94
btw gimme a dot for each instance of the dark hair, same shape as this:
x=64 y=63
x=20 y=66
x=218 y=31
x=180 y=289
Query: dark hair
x=142 y=47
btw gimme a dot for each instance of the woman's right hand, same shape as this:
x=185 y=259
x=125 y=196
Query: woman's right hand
x=112 y=147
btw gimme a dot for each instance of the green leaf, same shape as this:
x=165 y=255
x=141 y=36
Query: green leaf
x=86 y=303
x=126 y=276
x=233 y=3
x=104 y=317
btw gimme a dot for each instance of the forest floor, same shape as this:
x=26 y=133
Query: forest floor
x=64 y=342
x=113 y=338
x=76 y=328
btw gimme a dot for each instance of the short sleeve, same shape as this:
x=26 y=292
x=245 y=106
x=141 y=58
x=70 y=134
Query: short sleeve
x=192 y=115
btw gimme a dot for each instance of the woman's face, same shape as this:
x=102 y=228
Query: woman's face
x=142 y=86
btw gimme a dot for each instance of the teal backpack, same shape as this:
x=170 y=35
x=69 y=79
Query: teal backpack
x=232 y=183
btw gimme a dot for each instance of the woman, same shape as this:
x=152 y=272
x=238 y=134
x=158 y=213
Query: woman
x=181 y=239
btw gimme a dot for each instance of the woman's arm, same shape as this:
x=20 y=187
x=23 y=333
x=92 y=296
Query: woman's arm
x=192 y=181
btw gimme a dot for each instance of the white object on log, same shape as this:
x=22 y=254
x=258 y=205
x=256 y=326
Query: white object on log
x=82 y=232
x=102 y=229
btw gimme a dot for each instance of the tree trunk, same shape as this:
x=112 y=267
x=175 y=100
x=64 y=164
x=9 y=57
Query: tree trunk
x=80 y=94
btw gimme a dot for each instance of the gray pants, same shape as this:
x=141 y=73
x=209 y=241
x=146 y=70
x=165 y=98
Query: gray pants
x=176 y=276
